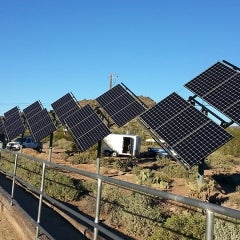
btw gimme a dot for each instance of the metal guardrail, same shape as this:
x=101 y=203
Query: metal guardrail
x=210 y=209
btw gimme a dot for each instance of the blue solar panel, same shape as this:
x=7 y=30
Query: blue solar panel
x=32 y=109
x=65 y=106
x=120 y=105
x=86 y=127
x=220 y=87
x=165 y=110
x=39 y=122
x=13 y=123
x=187 y=131
x=2 y=128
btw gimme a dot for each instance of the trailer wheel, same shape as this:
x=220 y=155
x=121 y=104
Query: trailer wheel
x=114 y=154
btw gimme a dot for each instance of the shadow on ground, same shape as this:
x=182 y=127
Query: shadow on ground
x=56 y=225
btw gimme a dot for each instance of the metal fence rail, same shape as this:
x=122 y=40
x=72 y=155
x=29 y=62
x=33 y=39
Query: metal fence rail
x=210 y=209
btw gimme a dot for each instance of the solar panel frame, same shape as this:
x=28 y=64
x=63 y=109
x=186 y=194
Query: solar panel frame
x=86 y=127
x=201 y=144
x=39 y=122
x=120 y=105
x=32 y=109
x=41 y=125
x=219 y=86
x=167 y=108
x=13 y=123
x=181 y=126
x=65 y=106
x=213 y=76
x=2 y=128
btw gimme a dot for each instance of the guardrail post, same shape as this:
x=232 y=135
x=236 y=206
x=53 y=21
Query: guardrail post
x=14 y=178
x=40 y=199
x=99 y=191
x=209 y=225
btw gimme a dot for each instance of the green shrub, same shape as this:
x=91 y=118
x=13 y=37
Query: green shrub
x=182 y=226
x=57 y=184
x=226 y=229
x=139 y=213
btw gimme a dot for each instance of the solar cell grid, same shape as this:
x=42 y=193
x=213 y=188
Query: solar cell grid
x=11 y=113
x=210 y=78
x=41 y=133
x=120 y=105
x=182 y=125
x=220 y=87
x=164 y=110
x=234 y=112
x=65 y=106
x=111 y=95
x=187 y=131
x=127 y=113
x=201 y=143
x=13 y=123
x=2 y=129
x=86 y=127
x=32 y=109
x=40 y=124
x=14 y=130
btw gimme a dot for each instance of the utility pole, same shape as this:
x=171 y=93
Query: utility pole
x=111 y=77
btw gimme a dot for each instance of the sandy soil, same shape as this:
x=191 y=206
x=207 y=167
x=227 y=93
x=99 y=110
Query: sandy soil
x=7 y=231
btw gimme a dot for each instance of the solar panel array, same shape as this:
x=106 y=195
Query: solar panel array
x=220 y=87
x=185 y=130
x=86 y=127
x=39 y=122
x=64 y=107
x=13 y=123
x=120 y=105
x=188 y=132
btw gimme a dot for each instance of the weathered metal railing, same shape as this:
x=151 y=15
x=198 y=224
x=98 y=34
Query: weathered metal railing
x=210 y=209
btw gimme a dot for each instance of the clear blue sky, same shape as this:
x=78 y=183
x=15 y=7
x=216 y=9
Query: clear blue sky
x=51 y=47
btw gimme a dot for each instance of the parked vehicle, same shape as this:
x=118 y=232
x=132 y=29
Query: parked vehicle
x=157 y=152
x=25 y=142
x=121 y=145
x=13 y=146
x=154 y=152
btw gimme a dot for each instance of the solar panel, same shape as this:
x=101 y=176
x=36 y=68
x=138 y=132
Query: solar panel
x=187 y=131
x=64 y=107
x=2 y=129
x=13 y=123
x=120 y=105
x=220 y=87
x=32 y=109
x=39 y=122
x=86 y=127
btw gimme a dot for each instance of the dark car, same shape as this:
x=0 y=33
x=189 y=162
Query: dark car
x=157 y=152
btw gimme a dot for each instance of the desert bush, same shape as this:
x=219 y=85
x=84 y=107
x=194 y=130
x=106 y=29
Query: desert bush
x=218 y=160
x=181 y=226
x=139 y=213
x=226 y=229
x=57 y=185
x=232 y=147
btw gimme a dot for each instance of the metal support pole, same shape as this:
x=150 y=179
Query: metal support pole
x=200 y=173
x=50 y=148
x=99 y=191
x=209 y=225
x=40 y=200
x=14 y=178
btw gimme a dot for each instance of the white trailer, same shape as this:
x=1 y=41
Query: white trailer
x=121 y=145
